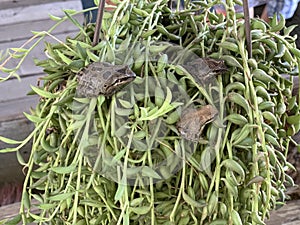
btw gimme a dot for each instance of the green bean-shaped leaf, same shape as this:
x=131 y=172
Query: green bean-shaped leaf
x=294 y=119
x=61 y=197
x=234 y=166
x=237 y=119
x=20 y=158
x=235 y=86
x=54 y=18
x=26 y=200
x=235 y=217
x=46 y=146
x=256 y=179
x=262 y=92
x=231 y=61
x=148 y=33
x=32 y=118
x=219 y=222
x=212 y=203
x=269 y=130
x=149 y=172
x=258 y=24
x=64 y=169
x=192 y=202
x=92 y=56
x=266 y=105
x=257 y=219
x=110 y=53
x=43 y=93
x=243 y=134
x=270 y=117
x=162 y=62
x=173 y=117
x=136 y=201
x=76 y=125
x=232 y=188
x=120 y=191
x=159 y=96
x=158 y=48
x=279 y=26
x=271 y=139
x=9 y=141
x=263 y=76
x=184 y=220
x=239 y=100
x=229 y=45
x=46 y=206
x=63 y=57
x=142 y=210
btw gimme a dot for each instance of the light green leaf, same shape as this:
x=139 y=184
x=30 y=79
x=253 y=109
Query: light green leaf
x=149 y=172
x=6 y=150
x=61 y=197
x=43 y=93
x=9 y=141
x=64 y=169
x=234 y=166
x=191 y=201
x=120 y=190
x=92 y=56
x=118 y=156
x=137 y=201
x=142 y=210
x=19 y=49
x=77 y=125
x=46 y=206
x=54 y=18
x=64 y=58
x=32 y=118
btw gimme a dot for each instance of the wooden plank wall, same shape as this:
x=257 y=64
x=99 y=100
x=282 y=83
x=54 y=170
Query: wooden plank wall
x=17 y=19
x=8 y=4
x=16 y=25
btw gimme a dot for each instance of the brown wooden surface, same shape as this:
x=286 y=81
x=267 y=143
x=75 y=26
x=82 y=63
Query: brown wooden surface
x=36 y=12
x=9 y=211
x=287 y=215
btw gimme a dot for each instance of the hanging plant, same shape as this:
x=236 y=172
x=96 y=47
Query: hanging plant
x=126 y=158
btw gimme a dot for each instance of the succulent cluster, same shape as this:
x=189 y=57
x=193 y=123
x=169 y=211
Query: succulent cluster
x=235 y=174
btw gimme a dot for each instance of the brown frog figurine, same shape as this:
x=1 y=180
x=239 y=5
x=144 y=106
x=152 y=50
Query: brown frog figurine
x=204 y=70
x=192 y=121
x=102 y=78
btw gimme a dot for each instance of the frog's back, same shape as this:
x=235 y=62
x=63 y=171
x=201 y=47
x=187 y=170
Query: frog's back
x=92 y=79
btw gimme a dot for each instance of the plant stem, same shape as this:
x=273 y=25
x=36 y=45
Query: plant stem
x=172 y=215
x=98 y=22
x=248 y=28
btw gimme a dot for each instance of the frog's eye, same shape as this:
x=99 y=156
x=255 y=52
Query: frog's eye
x=123 y=70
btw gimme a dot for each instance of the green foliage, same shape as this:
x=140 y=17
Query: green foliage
x=244 y=181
